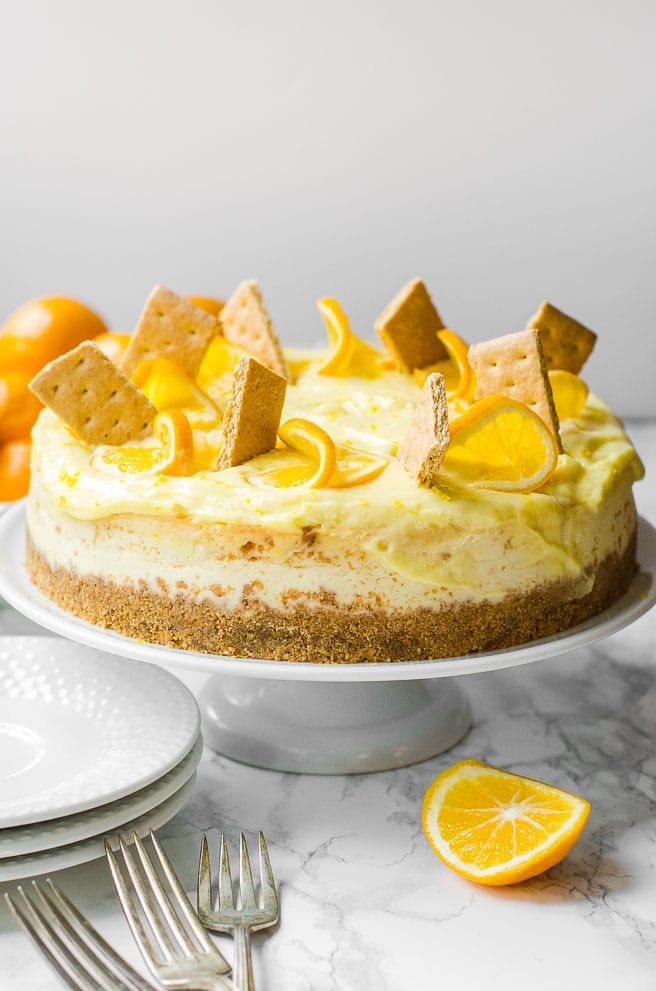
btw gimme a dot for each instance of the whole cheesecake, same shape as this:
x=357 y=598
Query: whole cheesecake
x=243 y=560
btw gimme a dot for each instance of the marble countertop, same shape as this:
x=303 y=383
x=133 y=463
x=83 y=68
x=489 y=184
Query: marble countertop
x=366 y=904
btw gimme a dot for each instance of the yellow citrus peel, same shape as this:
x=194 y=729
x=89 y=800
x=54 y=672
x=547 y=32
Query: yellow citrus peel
x=496 y=827
x=349 y=355
x=311 y=440
x=354 y=467
x=569 y=392
x=458 y=376
x=168 y=387
x=316 y=461
x=172 y=452
x=500 y=443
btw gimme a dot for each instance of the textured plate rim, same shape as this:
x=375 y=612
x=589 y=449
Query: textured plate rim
x=49 y=834
x=73 y=854
x=50 y=805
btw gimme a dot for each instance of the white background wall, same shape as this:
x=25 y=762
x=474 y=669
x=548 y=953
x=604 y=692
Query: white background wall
x=504 y=150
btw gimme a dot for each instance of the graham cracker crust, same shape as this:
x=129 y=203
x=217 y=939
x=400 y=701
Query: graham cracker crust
x=322 y=632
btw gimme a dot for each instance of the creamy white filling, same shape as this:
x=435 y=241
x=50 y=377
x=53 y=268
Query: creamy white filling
x=390 y=540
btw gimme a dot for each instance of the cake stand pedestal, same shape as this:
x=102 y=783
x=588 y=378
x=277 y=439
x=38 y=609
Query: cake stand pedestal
x=338 y=728
x=325 y=718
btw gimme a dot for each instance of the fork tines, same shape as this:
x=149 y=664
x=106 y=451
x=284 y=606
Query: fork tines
x=256 y=916
x=68 y=941
x=177 y=933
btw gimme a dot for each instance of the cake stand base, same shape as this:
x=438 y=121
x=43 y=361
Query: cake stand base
x=339 y=728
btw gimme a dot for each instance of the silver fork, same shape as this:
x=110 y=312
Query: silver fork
x=247 y=916
x=68 y=941
x=183 y=956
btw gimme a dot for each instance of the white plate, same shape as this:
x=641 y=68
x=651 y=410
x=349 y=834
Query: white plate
x=13 y=868
x=79 y=728
x=20 y=840
x=18 y=590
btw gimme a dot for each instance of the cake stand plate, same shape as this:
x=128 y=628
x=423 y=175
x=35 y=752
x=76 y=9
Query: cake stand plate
x=325 y=718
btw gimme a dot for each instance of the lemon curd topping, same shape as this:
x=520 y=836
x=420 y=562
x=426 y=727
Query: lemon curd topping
x=370 y=414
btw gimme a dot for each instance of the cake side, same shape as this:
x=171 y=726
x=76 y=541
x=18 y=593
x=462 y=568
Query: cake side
x=340 y=596
x=316 y=629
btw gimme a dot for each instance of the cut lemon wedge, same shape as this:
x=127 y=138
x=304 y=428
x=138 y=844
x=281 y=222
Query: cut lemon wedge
x=496 y=827
x=169 y=387
x=350 y=355
x=311 y=440
x=500 y=443
x=171 y=451
x=569 y=392
x=456 y=368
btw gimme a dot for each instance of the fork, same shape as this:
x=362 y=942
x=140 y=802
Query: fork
x=248 y=916
x=68 y=941
x=183 y=956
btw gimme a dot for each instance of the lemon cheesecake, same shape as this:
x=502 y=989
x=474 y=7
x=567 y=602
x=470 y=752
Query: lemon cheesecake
x=330 y=546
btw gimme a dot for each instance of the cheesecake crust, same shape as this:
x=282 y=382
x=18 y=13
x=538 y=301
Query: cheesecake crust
x=315 y=628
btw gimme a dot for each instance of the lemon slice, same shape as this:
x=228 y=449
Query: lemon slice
x=309 y=458
x=569 y=392
x=311 y=440
x=168 y=387
x=350 y=355
x=354 y=467
x=456 y=368
x=500 y=443
x=170 y=452
x=496 y=827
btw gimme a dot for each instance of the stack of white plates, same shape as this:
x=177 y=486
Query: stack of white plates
x=91 y=745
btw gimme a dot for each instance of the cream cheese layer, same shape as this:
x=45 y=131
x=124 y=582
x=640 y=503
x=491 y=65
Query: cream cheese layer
x=451 y=536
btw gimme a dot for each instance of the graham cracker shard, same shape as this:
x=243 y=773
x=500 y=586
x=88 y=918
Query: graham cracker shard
x=408 y=328
x=170 y=327
x=514 y=366
x=245 y=321
x=422 y=449
x=89 y=393
x=252 y=417
x=566 y=342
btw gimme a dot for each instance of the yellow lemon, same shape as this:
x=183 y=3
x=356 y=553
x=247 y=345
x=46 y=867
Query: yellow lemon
x=496 y=827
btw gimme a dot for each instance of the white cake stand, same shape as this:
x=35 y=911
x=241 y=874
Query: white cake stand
x=324 y=718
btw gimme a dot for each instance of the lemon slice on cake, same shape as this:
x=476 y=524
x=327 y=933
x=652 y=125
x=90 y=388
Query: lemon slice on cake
x=569 y=393
x=349 y=355
x=500 y=443
x=456 y=369
x=169 y=452
x=168 y=387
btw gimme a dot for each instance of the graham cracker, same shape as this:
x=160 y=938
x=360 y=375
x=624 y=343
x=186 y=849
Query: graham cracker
x=566 y=342
x=98 y=401
x=408 y=328
x=170 y=327
x=245 y=321
x=422 y=449
x=514 y=366
x=252 y=417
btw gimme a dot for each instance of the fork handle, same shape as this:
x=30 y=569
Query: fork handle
x=242 y=966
